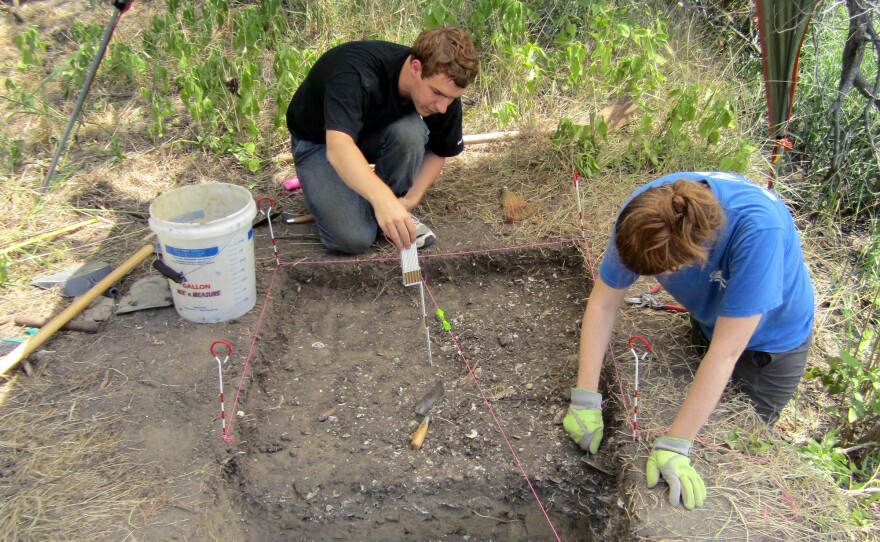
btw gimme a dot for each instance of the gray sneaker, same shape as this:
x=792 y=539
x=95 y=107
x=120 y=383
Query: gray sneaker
x=424 y=236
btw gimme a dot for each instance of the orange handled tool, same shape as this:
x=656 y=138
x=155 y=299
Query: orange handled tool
x=290 y=218
x=421 y=432
x=422 y=408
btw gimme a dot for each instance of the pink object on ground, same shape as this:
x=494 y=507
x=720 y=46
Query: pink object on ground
x=291 y=184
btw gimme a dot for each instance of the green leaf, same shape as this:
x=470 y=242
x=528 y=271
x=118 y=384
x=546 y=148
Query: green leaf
x=850 y=360
x=713 y=137
x=601 y=127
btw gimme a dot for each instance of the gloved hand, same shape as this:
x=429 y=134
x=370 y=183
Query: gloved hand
x=669 y=457
x=584 y=419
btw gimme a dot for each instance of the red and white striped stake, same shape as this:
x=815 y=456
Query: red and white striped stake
x=577 y=190
x=223 y=434
x=636 y=390
x=268 y=214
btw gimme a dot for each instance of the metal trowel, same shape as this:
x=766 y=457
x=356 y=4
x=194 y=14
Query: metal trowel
x=422 y=408
x=77 y=280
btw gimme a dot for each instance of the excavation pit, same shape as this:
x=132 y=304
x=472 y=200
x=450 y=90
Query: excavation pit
x=323 y=446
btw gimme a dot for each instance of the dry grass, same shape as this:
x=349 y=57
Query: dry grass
x=66 y=476
x=63 y=476
x=759 y=486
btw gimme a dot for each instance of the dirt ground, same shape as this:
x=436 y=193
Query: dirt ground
x=324 y=377
x=123 y=427
x=322 y=418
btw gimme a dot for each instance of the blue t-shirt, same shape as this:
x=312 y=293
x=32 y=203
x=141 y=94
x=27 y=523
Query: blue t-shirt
x=754 y=267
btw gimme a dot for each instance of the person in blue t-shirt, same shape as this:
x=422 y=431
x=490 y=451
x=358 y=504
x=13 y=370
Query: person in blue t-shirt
x=728 y=251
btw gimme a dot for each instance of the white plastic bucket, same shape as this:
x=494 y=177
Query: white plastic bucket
x=205 y=232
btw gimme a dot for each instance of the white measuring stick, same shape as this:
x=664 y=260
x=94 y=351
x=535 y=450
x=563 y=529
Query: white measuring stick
x=425 y=323
x=223 y=434
x=412 y=275
x=409 y=263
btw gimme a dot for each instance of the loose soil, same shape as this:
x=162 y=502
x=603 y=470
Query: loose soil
x=322 y=410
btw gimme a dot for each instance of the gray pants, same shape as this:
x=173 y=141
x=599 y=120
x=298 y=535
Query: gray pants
x=769 y=379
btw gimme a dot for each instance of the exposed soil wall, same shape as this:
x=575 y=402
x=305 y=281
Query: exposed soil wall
x=323 y=448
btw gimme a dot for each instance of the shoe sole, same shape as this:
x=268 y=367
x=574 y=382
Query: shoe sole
x=426 y=241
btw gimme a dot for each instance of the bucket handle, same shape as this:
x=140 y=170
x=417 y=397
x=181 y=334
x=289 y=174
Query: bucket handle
x=168 y=272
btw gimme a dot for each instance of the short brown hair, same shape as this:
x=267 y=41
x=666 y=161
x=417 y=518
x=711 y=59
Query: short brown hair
x=668 y=226
x=448 y=51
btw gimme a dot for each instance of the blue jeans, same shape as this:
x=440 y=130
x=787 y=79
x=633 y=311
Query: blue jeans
x=346 y=221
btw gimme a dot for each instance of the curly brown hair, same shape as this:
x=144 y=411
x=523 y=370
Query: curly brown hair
x=449 y=51
x=667 y=227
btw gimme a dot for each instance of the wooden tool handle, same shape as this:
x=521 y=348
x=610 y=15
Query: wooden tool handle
x=419 y=436
x=11 y=359
x=27 y=320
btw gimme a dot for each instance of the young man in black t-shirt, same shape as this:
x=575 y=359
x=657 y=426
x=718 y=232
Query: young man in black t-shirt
x=377 y=102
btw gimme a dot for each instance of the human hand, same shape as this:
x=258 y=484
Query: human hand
x=395 y=222
x=408 y=201
x=583 y=422
x=669 y=457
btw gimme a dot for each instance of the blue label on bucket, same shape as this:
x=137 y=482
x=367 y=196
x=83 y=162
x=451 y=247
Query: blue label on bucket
x=191 y=253
x=250 y=233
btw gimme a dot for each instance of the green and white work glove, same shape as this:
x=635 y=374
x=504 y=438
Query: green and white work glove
x=669 y=458
x=583 y=422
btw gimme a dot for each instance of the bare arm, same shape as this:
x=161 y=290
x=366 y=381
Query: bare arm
x=728 y=343
x=596 y=327
x=428 y=173
x=349 y=162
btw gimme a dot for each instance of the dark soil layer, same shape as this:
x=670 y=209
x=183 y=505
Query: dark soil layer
x=322 y=450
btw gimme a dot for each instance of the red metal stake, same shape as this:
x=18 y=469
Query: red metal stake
x=636 y=391
x=223 y=434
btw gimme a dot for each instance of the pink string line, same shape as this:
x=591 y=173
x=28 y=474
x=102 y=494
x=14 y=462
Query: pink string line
x=494 y=417
x=250 y=353
x=396 y=257
x=706 y=444
x=577 y=191
x=623 y=396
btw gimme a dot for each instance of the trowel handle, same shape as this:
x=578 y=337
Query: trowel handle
x=419 y=436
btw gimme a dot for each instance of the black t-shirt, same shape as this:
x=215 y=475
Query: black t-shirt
x=352 y=88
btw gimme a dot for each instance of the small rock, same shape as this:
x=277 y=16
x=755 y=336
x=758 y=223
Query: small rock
x=100 y=310
x=270 y=448
x=557 y=419
x=324 y=416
